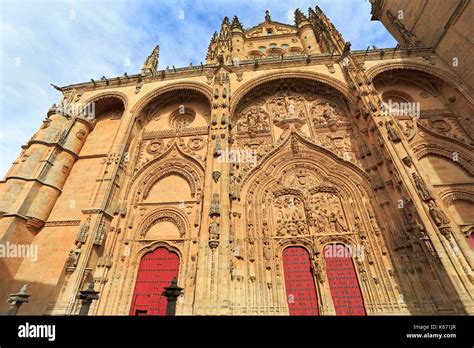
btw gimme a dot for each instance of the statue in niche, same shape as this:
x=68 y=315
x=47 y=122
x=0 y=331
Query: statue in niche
x=82 y=234
x=250 y=233
x=392 y=132
x=214 y=229
x=215 y=206
x=337 y=222
x=73 y=257
x=359 y=229
x=100 y=234
x=267 y=254
x=319 y=268
x=277 y=108
x=296 y=108
x=328 y=113
x=409 y=127
x=439 y=217
x=421 y=187
x=251 y=252
x=265 y=230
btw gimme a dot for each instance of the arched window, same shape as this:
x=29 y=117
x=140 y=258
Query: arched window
x=156 y=271
x=342 y=279
x=299 y=282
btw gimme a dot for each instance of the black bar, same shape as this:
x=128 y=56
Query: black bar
x=289 y=331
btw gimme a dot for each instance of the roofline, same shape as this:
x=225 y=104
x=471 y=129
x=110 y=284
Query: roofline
x=371 y=54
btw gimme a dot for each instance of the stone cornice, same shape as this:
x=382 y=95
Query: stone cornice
x=245 y=65
x=30 y=179
x=55 y=144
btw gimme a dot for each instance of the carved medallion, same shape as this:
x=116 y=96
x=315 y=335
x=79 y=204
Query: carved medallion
x=154 y=146
x=195 y=143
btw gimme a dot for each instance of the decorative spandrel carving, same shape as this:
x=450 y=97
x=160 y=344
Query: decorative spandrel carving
x=441 y=122
x=289 y=216
x=408 y=127
x=300 y=178
x=287 y=108
x=327 y=213
x=325 y=114
x=254 y=119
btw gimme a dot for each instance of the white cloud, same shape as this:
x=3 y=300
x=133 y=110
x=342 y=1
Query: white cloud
x=65 y=42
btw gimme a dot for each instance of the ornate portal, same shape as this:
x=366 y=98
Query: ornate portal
x=285 y=176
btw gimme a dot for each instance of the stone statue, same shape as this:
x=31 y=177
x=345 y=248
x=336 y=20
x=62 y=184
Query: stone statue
x=421 y=187
x=439 y=217
x=214 y=230
x=328 y=112
x=215 y=205
x=82 y=234
x=392 y=132
x=73 y=257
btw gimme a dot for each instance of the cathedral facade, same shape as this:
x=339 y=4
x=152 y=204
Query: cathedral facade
x=288 y=175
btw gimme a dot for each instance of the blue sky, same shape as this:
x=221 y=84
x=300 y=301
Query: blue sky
x=66 y=41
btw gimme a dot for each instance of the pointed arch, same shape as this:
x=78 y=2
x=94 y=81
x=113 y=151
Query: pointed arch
x=320 y=78
x=198 y=87
x=165 y=214
x=437 y=72
x=166 y=164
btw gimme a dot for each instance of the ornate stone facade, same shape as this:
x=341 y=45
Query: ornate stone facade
x=285 y=138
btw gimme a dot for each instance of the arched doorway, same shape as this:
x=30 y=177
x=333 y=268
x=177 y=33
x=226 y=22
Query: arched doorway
x=342 y=279
x=299 y=282
x=156 y=271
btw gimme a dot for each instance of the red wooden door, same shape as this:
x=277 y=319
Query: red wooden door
x=342 y=279
x=470 y=240
x=156 y=271
x=299 y=282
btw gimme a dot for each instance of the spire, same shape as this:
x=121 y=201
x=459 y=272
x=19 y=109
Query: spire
x=299 y=16
x=225 y=29
x=151 y=63
x=212 y=49
x=311 y=13
x=267 y=16
x=236 y=25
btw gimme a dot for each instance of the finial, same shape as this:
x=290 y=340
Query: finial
x=267 y=16
x=151 y=63
x=299 y=16
x=236 y=24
